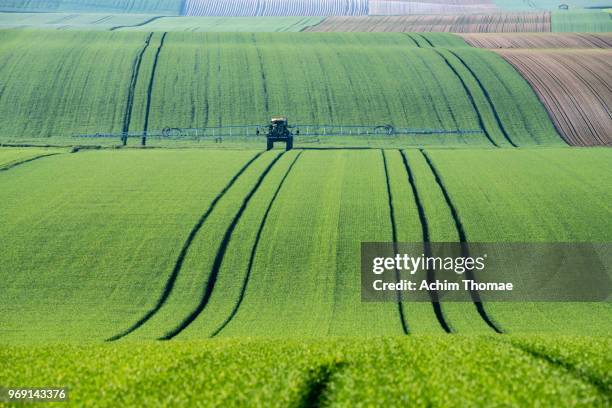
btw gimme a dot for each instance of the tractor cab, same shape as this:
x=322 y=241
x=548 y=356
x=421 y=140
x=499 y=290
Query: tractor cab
x=278 y=131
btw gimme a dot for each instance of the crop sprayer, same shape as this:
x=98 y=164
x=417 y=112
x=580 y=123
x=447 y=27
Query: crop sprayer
x=278 y=130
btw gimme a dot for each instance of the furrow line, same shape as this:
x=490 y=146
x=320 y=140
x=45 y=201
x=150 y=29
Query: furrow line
x=400 y=306
x=431 y=274
x=210 y=284
x=127 y=115
x=481 y=123
x=152 y=81
x=318 y=384
x=254 y=250
x=464 y=243
x=183 y=254
x=264 y=83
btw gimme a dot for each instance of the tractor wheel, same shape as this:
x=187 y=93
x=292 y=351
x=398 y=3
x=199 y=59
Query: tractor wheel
x=290 y=143
x=270 y=145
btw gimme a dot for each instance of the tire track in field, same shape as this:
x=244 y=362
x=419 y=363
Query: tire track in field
x=566 y=366
x=254 y=250
x=400 y=306
x=143 y=23
x=431 y=274
x=500 y=123
x=464 y=244
x=481 y=123
x=183 y=254
x=127 y=115
x=152 y=81
x=212 y=279
x=19 y=163
x=318 y=385
x=264 y=82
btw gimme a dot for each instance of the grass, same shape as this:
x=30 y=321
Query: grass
x=167 y=7
x=211 y=79
x=417 y=371
x=532 y=5
x=594 y=21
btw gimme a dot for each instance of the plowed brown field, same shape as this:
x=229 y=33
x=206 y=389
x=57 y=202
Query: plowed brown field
x=473 y=23
x=576 y=88
x=539 y=40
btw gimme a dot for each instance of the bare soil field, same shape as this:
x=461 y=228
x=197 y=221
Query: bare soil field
x=473 y=23
x=539 y=40
x=394 y=7
x=576 y=88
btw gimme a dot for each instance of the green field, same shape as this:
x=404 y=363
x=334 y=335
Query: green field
x=233 y=24
x=213 y=79
x=166 y=7
x=532 y=5
x=595 y=21
x=71 y=21
x=237 y=271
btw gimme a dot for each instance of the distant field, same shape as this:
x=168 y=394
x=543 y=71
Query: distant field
x=340 y=372
x=399 y=7
x=71 y=21
x=235 y=24
x=540 y=40
x=227 y=8
x=582 y=21
x=170 y=7
x=497 y=22
x=547 y=4
x=327 y=79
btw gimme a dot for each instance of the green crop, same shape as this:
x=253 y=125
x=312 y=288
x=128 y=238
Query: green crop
x=183 y=80
x=417 y=371
x=165 y=7
x=582 y=21
x=234 y=24
x=70 y=21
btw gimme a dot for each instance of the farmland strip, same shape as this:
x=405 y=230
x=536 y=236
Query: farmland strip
x=488 y=97
x=254 y=250
x=264 y=83
x=426 y=241
x=184 y=250
x=210 y=284
x=127 y=116
x=19 y=163
x=481 y=123
x=151 y=82
x=463 y=240
x=400 y=306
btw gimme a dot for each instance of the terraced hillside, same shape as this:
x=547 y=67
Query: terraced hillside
x=268 y=244
x=154 y=81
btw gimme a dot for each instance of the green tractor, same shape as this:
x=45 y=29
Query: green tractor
x=278 y=131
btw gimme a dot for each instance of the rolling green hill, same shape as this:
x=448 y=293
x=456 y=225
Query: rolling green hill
x=94 y=82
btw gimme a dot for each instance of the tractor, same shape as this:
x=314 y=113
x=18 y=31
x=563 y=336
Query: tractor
x=278 y=131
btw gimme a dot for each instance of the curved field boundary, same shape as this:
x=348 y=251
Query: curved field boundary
x=145 y=22
x=10 y=165
x=539 y=40
x=212 y=277
x=469 y=23
x=463 y=239
x=431 y=275
x=575 y=87
x=254 y=250
x=400 y=306
x=184 y=250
